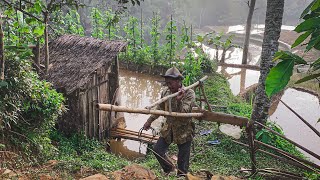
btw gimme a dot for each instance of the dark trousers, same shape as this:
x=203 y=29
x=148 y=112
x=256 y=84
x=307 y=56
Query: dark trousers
x=161 y=148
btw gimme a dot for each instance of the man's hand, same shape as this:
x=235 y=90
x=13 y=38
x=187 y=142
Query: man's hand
x=147 y=125
x=180 y=94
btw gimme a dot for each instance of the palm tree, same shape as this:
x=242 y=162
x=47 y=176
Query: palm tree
x=270 y=44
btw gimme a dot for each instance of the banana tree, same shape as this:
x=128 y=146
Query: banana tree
x=279 y=75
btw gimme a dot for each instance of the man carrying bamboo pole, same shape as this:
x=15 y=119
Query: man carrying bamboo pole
x=179 y=130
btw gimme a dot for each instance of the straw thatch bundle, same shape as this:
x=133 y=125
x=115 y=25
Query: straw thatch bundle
x=74 y=58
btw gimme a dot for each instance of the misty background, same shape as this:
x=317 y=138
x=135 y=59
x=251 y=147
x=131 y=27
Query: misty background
x=198 y=13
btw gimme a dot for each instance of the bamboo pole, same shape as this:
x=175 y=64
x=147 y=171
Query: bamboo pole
x=176 y=94
x=291 y=161
x=290 y=156
x=294 y=143
x=302 y=119
x=135 y=133
x=121 y=135
x=109 y=107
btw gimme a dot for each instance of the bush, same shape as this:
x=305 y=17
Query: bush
x=29 y=107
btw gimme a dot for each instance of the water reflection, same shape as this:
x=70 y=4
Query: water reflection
x=136 y=91
x=307 y=106
x=239 y=78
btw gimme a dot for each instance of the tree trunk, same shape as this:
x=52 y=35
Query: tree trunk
x=270 y=44
x=46 y=43
x=248 y=31
x=1 y=51
x=84 y=13
x=37 y=56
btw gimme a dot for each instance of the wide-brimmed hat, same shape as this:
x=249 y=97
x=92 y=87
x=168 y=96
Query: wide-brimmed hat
x=173 y=73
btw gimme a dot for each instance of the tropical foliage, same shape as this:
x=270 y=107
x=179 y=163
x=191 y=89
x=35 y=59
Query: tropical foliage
x=279 y=75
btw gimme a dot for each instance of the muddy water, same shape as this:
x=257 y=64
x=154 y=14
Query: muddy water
x=137 y=91
x=307 y=106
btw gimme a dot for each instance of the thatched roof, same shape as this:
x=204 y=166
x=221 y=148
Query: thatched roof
x=74 y=58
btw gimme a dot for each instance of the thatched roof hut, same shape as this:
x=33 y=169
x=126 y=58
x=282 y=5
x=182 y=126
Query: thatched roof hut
x=74 y=58
x=85 y=69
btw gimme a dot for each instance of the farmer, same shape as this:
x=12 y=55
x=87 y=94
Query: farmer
x=178 y=130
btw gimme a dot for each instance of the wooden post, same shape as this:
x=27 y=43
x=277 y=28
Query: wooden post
x=46 y=42
x=2 y=59
x=251 y=137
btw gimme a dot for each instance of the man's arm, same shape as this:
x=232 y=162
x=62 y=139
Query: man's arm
x=153 y=117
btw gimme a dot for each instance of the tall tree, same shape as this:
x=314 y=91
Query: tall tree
x=270 y=45
x=1 y=51
x=248 y=31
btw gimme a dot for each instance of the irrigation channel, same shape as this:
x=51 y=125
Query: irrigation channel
x=140 y=90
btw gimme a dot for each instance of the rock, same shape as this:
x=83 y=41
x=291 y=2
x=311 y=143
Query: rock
x=217 y=177
x=46 y=177
x=96 y=177
x=51 y=163
x=134 y=171
x=7 y=173
x=230 y=130
x=303 y=68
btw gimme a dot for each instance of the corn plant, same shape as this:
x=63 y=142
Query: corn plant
x=171 y=44
x=97 y=23
x=155 y=37
x=111 y=23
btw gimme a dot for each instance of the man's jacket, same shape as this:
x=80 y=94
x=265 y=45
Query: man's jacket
x=177 y=129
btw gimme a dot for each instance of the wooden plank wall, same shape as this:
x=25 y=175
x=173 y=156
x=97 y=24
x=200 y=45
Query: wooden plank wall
x=100 y=89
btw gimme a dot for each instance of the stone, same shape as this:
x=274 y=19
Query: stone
x=96 y=177
x=231 y=130
x=134 y=171
x=217 y=177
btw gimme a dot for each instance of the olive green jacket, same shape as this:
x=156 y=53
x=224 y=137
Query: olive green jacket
x=177 y=129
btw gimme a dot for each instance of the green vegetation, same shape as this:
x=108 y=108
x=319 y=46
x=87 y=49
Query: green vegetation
x=29 y=107
x=77 y=152
x=280 y=75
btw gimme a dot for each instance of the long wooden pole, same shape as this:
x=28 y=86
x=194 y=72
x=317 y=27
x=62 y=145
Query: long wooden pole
x=291 y=161
x=288 y=155
x=302 y=119
x=294 y=143
x=176 y=94
x=199 y=114
x=109 y=107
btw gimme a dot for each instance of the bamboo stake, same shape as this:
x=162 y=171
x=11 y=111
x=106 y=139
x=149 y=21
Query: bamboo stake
x=109 y=107
x=296 y=144
x=303 y=120
x=287 y=154
x=176 y=94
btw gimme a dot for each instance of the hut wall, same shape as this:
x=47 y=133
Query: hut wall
x=69 y=123
x=101 y=89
